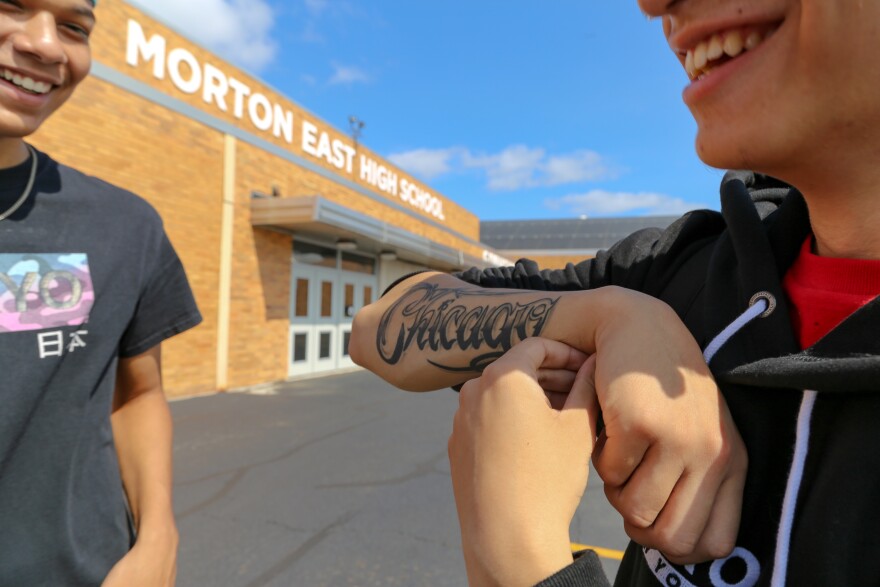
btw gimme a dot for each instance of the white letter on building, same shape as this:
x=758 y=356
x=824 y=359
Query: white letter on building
x=187 y=86
x=241 y=92
x=153 y=49
x=368 y=170
x=309 y=139
x=283 y=124
x=256 y=102
x=216 y=87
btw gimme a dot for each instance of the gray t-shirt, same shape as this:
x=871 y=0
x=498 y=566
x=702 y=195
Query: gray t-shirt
x=87 y=275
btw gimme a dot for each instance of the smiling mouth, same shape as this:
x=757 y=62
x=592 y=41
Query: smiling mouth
x=720 y=48
x=25 y=83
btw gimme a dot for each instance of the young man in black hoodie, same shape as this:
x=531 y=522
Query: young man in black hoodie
x=779 y=291
x=90 y=286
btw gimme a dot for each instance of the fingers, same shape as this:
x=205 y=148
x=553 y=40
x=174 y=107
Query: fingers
x=700 y=520
x=646 y=492
x=583 y=399
x=719 y=538
x=583 y=389
x=534 y=354
x=619 y=455
x=558 y=380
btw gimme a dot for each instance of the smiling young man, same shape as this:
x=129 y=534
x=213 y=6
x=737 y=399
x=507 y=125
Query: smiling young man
x=89 y=288
x=779 y=290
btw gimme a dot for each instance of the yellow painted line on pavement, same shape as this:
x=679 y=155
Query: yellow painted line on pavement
x=603 y=552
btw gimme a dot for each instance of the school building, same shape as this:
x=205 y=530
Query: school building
x=286 y=226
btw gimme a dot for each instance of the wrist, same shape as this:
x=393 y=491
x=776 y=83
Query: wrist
x=158 y=528
x=595 y=309
x=524 y=560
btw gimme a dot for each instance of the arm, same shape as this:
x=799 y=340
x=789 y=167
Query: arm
x=434 y=330
x=142 y=432
x=519 y=467
x=671 y=458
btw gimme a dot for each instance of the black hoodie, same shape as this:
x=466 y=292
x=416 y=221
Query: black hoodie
x=708 y=267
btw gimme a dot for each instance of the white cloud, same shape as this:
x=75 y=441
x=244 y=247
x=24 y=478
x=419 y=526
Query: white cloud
x=426 y=163
x=575 y=167
x=516 y=167
x=347 y=75
x=238 y=30
x=604 y=203
x=512 y=169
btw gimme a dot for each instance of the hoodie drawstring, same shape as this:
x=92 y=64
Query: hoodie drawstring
x=792 y=488
x=761 y=305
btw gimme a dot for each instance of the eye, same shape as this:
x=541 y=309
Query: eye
x=75 y=29
x=9 y=5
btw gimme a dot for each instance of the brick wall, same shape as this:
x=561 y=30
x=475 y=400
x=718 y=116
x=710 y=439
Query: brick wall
x=177 y=164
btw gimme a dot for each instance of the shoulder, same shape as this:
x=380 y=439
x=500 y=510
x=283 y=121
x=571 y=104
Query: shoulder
x=110 y=201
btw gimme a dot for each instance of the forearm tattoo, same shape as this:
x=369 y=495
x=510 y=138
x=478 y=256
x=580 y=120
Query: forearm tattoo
x=459 y=319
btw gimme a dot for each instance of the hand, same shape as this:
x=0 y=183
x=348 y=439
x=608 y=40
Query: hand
x=152 y=562
x=519 y=467
x=671 y=458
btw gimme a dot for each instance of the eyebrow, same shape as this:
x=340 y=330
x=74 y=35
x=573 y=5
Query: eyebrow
x=85 y=12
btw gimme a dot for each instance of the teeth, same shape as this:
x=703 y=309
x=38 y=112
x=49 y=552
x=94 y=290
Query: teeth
x=716 y=49
x=26 y=82
x=698 y=61
x=700 y=57
x=733 y=44
x=753 y=40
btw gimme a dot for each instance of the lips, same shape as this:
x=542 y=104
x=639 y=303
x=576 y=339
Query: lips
x=26 y=83
x=719 y=48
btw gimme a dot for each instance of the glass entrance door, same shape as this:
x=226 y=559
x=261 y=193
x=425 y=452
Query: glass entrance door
x=327 y=289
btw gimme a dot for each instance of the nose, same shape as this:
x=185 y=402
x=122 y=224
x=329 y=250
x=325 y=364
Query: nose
x=38 y=37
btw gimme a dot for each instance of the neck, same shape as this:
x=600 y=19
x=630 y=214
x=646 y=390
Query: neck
x=12 y=152
x=845 y=220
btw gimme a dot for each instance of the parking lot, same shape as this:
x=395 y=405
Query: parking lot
x=341 y=480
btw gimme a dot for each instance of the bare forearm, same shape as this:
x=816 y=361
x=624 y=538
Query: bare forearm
x=434 y=330
x=142 y=430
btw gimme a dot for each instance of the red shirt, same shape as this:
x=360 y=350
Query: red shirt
x=823 y=291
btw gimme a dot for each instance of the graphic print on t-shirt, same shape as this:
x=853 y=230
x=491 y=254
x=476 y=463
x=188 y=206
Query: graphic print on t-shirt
x=44 y=290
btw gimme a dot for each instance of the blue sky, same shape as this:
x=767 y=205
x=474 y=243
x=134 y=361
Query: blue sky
x=527 y=109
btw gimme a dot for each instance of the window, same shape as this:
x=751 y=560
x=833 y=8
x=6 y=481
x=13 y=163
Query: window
x=358 y=264
x=326 y=299
x=368 y=295
x=349 y=300
x=299 y=347
x=346 y=339
x=324 y=352
x=314 y=255
x=302 y=298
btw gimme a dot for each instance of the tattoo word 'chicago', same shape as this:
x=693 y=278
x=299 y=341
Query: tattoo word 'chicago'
x=436 y=318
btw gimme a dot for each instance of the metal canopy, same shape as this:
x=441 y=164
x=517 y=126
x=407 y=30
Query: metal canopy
x=319 y=217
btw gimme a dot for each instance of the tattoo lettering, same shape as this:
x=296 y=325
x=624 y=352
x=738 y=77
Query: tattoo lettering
x=443 y=319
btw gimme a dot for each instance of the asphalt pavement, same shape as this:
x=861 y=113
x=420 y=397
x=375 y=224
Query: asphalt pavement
x=334 y=481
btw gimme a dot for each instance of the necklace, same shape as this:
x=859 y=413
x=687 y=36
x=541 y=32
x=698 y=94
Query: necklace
x=27 y=189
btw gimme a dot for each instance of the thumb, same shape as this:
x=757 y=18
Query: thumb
x=583 y=393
